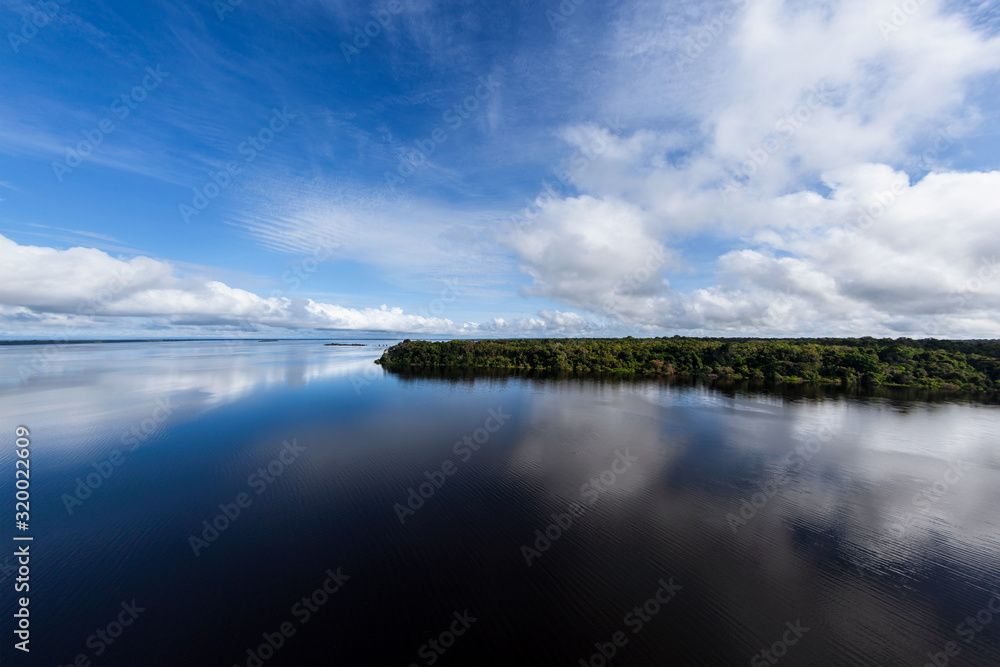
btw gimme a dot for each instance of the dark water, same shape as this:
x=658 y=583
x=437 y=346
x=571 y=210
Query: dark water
x=875 y=539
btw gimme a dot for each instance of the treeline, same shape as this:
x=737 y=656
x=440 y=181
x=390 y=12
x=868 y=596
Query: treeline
x=940 y=364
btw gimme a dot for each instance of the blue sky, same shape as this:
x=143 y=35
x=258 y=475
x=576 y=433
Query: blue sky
x=520 y=168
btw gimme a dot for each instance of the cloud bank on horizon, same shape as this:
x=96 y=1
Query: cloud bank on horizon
x=730 y=167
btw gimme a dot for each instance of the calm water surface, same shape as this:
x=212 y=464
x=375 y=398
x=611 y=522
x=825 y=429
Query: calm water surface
x=825 y=530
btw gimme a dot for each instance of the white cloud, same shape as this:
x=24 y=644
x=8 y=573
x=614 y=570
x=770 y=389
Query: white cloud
x=61 y=280
x=91 y=283
x=406 y=239
x=578 y=249
x=877 y=256
x=81 y=289
x=808 y=112
x=784 y=98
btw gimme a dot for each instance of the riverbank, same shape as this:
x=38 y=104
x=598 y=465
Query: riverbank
x=942 y=365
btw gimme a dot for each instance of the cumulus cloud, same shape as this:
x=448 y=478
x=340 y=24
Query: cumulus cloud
x=816 y=152
x=80 y=288
x=876 y=256
x=775 y=168
x=581 y=250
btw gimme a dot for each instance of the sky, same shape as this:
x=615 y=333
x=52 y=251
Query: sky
x=257 y=168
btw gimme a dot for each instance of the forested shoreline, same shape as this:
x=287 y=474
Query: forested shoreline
x=972 y=365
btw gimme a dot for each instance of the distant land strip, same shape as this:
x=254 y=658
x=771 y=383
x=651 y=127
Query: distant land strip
x=113 y=340
x=946 y=365
x=160 y=340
